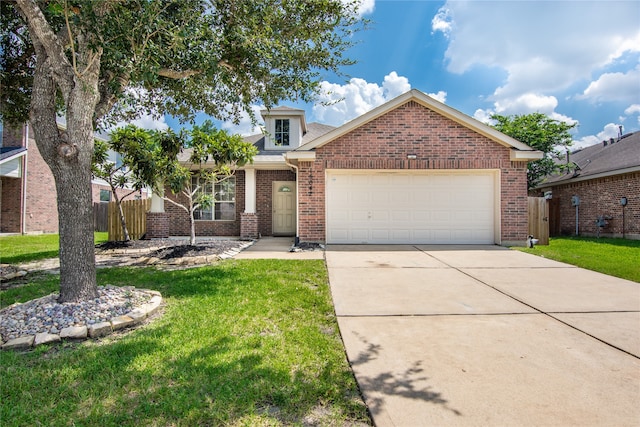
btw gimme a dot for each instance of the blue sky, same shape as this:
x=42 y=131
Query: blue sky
x=576 y=61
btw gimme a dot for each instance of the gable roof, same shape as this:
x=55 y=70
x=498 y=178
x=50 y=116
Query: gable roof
x=608 y=158
x=519 y=152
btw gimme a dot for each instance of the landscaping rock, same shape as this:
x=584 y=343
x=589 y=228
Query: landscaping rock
x=121 y=322
x=45 y=338
x=101 y=329
x=19 y=343
x=74 y=333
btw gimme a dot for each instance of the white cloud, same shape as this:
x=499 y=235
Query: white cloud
x=633 y=109
x=614 y=87
x=147 y=121
x=611 y=130
x=337 y=104
x=483 y=116
x=442 y=21
x=366 y=7
x=440 y=96
x=544 y=47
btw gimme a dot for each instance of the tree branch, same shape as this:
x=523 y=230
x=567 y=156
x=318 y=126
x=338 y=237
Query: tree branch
x=176 y=75
x=175 y=204
x=42 y=31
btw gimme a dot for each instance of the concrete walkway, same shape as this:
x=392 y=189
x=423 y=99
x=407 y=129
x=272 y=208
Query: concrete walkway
x=486 y=336
x=276 y=248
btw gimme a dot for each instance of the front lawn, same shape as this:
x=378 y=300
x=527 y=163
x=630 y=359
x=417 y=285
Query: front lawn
x=245 y=342
x=615 y=257
x=32 y=247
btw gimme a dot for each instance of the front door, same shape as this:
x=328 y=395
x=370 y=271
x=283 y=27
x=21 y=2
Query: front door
x=284 y=208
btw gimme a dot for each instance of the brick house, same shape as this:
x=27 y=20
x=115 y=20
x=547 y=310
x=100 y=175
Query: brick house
x=28 y=201
x=410 y=171
x=604 y=182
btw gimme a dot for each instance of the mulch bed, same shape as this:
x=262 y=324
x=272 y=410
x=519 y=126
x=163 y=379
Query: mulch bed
x=169 y=248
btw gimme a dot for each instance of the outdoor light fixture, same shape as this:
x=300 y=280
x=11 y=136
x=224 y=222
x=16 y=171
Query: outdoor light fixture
x=411 y=156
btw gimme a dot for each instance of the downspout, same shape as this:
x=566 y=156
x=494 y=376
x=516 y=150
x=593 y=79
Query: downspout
x=24 y=179
x=297 y=238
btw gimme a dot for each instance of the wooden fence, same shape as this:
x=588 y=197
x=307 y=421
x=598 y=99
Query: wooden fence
x=539 y=219
x=100 y=216
x=135 y=213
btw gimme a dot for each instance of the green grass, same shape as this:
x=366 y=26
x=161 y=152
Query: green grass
x=32 y=247
x=615 y=257
x=242 y=343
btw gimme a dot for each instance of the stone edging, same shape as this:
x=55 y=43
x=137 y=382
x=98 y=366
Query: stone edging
x=97 y=330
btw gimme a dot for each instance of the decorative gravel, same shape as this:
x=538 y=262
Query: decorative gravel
x=47 y=315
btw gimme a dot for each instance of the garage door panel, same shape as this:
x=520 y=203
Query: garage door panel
x=410 y=207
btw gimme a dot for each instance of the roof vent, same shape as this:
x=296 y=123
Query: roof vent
x=611 y=141
x=604 y=143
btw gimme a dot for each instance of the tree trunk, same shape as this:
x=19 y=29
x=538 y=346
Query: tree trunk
x=192 y=221
x=123 y=221
x=77 y=247
x=67 y=152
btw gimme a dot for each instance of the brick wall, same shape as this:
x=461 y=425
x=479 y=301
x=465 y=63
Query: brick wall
x=179 y=219
x=11 y=194
x=11 y=188
x=42 y=204
x=598 y=197
x=264 y=196
x=438 y=143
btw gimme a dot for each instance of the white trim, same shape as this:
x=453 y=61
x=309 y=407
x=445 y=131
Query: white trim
x=250 y=191
x=300 y=156
x=520 y=156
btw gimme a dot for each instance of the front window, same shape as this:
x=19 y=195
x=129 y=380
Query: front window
x=282 y=132
x=223 y=193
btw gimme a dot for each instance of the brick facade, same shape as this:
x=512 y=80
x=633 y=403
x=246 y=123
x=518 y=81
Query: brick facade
x=437 y=142
x=600 y=197
x=40 y=203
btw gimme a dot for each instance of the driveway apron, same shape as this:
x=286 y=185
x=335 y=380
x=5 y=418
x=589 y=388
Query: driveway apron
x=484 y=335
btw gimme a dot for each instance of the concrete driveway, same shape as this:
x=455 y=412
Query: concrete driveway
x=483 y=335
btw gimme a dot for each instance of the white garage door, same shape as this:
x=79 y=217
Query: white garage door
x=418 y=207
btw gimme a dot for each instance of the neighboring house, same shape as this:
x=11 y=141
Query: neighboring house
x=411 y=171
x=600 y=179
x=28 y=201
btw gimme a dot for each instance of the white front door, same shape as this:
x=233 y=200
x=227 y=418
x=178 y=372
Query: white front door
x=419 y=207
x=284 y=208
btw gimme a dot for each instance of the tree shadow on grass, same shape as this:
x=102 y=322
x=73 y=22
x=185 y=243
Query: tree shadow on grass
x=407 y=384
x=189 y=367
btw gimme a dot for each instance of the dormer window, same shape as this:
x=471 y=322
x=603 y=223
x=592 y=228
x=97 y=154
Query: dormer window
x=281 y=134
x=284 y=128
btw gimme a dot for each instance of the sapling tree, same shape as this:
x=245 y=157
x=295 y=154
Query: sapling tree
x=118 y=176
x=212 y=156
